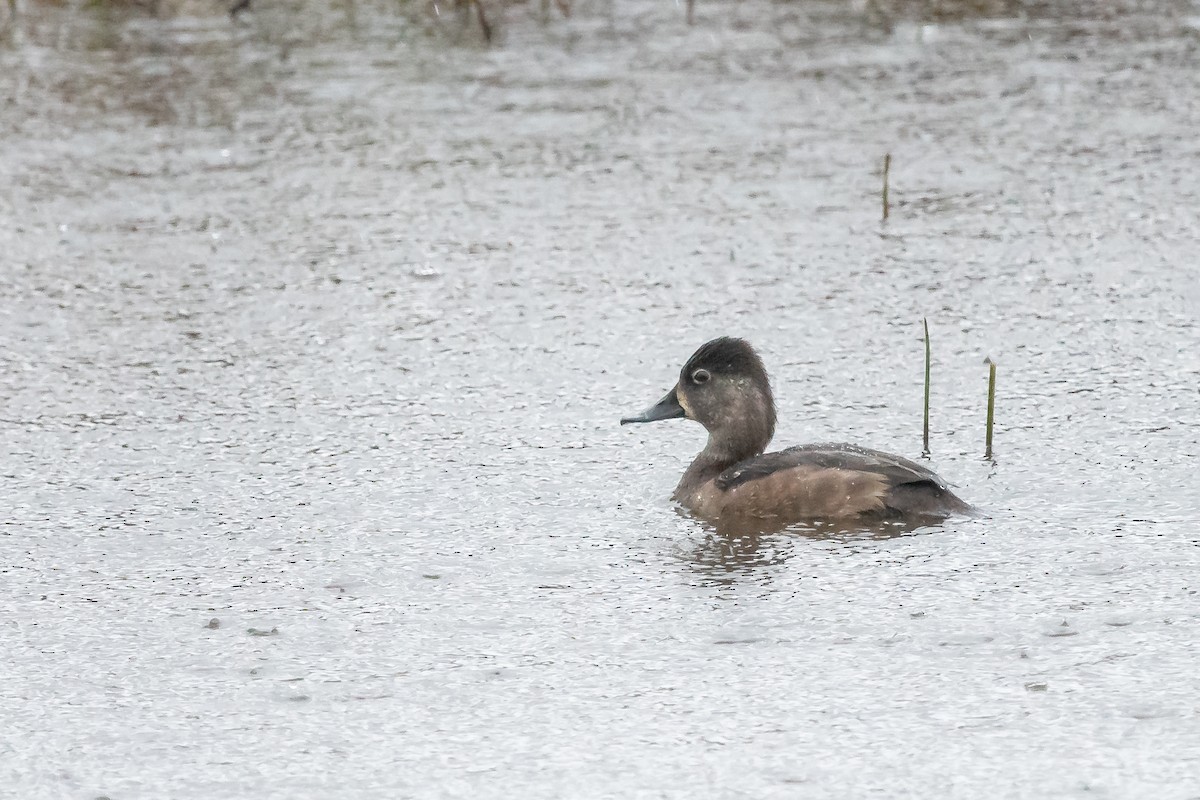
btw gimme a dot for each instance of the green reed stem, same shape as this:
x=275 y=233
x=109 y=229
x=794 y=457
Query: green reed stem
x=991 y=407
x=887 y=168
x=928 y=360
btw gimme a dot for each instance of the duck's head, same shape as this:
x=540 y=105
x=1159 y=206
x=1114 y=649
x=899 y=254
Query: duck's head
x=724 y=387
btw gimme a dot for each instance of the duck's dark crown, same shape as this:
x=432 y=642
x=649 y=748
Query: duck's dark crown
x=728 y=356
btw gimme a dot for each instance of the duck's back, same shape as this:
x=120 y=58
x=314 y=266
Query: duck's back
x=827 y=481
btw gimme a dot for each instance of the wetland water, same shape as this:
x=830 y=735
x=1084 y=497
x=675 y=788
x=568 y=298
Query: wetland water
x=316 y=330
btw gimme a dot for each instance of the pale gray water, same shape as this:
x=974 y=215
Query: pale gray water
x=320 y=324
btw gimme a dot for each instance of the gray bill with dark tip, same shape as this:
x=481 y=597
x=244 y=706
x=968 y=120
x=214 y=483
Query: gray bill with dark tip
x=667 y=408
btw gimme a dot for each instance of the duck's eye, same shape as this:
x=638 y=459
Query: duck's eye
x=700 y=376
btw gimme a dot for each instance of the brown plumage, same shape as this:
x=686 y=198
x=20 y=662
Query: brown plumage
x=724 y=386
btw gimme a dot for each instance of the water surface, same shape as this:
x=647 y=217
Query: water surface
x=317 y=326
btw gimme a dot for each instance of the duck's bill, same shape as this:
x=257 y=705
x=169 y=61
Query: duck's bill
x=667 y=408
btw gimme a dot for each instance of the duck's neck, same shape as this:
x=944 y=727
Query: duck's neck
x=725 y=448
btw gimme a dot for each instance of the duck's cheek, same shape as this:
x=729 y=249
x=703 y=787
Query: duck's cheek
x=739 y=407
x=685 y=404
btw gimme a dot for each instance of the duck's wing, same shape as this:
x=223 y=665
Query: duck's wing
x=885 y=482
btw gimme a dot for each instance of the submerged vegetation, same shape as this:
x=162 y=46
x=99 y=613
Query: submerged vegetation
x=479 y=12
x=484 y=15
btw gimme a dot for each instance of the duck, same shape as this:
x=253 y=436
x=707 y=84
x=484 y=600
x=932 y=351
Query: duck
x=725 y=387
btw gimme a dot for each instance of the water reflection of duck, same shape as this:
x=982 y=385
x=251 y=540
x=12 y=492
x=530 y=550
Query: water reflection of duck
x=725 y=388
x=742 y=549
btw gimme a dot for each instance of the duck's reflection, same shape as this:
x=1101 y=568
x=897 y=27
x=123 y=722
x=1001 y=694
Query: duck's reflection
x=740 y=549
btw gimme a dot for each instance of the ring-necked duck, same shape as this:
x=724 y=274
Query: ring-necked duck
x=725 y=388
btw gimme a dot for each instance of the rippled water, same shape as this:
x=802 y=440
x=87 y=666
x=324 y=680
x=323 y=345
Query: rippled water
x=317 y=325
